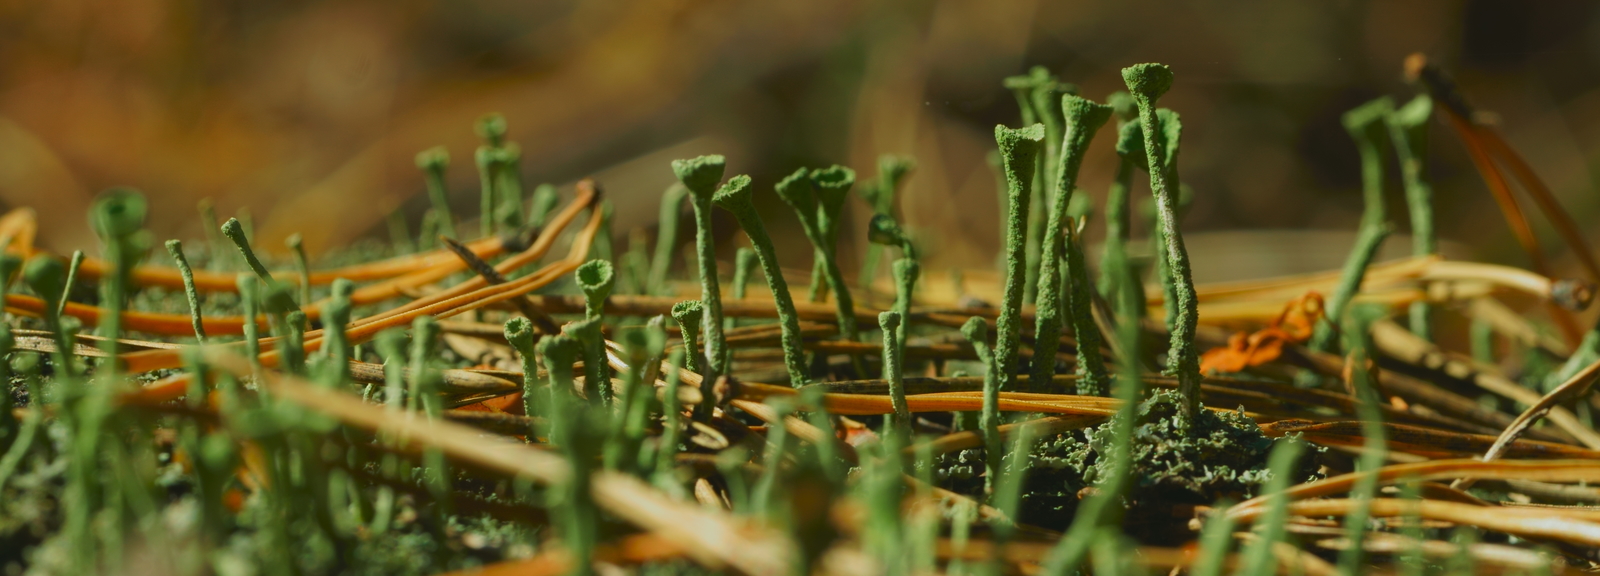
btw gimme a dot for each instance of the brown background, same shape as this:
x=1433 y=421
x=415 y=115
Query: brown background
x=308 y=113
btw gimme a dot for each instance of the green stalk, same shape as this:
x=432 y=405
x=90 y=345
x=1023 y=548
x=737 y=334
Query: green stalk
x=812 y=203
x=831 y=186
x=595 y=278
x=249 y=303
x=175 y=249
x=596 y=385
x=688 y=314
x=892 y=172
x=1018 y=150
x=1104 y=508
x=519 y=333
x=399 y=234
x=72 y=280
x=1147 y=82
x=1008 y=494
x=1355 y=269
x=744 y=261
x=735 y=197
x=976 y=330
x=894 y=373
x=833 y=468
x=1374 y=452
x=1022 y=87
x=1408 y=129
x=701 y=176
x=433 y=163
x=488 y=162
x=671 y=421
x=1119 y=224
x=302 y=264
x=508 y=186
x=278 y=301
x=1258 y=558
x=666 y=237
x=1083 y=119
x=335 y=317
x=46 y=276
x=541 y=203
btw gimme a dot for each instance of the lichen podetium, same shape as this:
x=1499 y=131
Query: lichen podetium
x=1019 y=148
x=799 y=190
x=192 y=296
x=1082 y=119
x=1147 y=82
x=433 y=163
x=1366 y=124
x=894 y=373
x=735 y=197
x=976 y=331
x=701 y=176
x=1408 y=128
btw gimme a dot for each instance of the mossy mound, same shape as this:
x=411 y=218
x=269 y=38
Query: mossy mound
x=1225 y=460
x=1222 y=456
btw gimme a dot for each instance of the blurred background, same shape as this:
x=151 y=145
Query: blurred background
x=308 y=114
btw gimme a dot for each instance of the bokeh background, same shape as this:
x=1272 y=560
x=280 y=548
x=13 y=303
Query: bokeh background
x=308 y=114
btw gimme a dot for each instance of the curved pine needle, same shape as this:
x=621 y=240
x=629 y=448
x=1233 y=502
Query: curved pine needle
x=1421 y=441
x=1577 y=385
x=1490 y=138
x=1540 y=470
x=1580 y=527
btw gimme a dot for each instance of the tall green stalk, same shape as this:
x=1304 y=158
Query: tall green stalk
x=1147 y=82
x=701 y=176
x=1018 y=150
x=1083 y=119
x=1408 y=128
x=666 y=237
x=735 y=197
x=799 y=192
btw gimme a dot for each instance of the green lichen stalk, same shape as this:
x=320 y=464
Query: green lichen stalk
x=1147 y=82
x=800 y=192
x=666 y=237
x=689 y=314
x=1408 y=128
x=1018 y=150
x=701 y=176
x=976 y=331
x=519 y=333
x=892 y=173
x=1366 y=125
x=1083 y=119
x=433 y=163
x=175 y=249
x=894 y=373
x=302 y=264
x=1119 y=225
x=596 y=278
x=735 y=197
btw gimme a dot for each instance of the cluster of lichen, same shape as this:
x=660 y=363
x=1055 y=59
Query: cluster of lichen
x=340 y=500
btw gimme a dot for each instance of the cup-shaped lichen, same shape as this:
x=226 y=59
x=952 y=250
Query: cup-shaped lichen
x=735 y=197
x=1147 y=83
x=1019 y=148
x=595 y=278
x=701 y=176
x=1083 y=119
